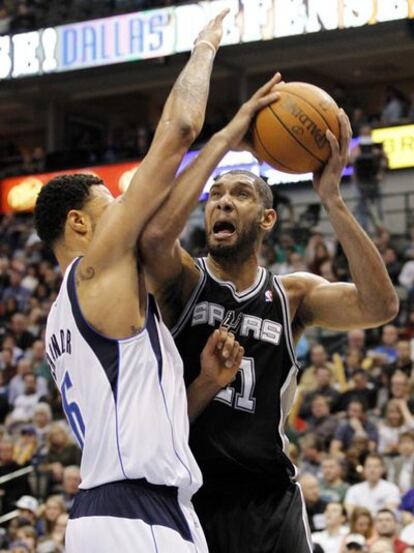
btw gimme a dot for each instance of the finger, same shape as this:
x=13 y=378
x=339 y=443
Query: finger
x=345 y=133
x=238 y=359
x=266 y=100
x=228 y=345
x=212 y=342
x=265 y=89
x=333 y=143
x=233 y=355
x=219 y=18
x=223 y=333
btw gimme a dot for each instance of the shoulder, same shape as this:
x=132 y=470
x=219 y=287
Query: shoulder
x=300 y=282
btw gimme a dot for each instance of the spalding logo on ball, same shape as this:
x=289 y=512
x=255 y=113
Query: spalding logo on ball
x=290 y=134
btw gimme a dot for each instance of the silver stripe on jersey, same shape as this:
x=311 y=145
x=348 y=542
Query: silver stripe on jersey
x=244 y=294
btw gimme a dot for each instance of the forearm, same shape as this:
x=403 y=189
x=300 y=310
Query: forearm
x=376 y=294
x=169 y=221
x=199 y=394
x=187 y=101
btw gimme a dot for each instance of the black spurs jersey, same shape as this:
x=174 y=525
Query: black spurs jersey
x=241 y=432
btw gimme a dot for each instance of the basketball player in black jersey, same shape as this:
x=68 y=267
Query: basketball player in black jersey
x=250 y=502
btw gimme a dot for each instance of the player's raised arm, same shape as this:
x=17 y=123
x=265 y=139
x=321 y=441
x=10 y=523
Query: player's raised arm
x=170 y=270
x=181 y=121
x=371 y=299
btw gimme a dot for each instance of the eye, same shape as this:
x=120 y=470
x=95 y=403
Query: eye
x=242 y=194
x=214 y=194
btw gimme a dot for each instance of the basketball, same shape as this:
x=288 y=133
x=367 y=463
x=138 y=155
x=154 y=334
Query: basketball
x=290 y=134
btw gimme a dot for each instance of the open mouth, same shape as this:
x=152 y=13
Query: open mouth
x=222 y=229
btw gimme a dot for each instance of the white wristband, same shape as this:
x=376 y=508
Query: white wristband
x=208 y=43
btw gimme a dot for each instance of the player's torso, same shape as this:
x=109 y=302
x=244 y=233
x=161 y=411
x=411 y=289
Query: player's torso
x=243 y=427
x=124 y=399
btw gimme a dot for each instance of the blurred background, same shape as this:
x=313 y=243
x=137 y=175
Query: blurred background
x=82 y=86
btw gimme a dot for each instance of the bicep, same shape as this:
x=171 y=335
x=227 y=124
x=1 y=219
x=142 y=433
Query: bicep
x=334 y=305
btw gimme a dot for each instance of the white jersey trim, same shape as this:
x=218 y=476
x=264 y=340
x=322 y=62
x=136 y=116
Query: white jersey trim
x=244 y=294
x=284 y=302
x=305 y=519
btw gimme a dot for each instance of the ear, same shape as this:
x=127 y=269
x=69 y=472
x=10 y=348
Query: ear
x=268 y=220
x=78 y=221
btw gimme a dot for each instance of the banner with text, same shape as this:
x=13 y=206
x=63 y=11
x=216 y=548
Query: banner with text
x=167 y=31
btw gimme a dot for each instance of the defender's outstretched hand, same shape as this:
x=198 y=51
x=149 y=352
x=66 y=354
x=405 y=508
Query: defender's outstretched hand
x=213 y=31
x=221 y=358
x=326 y=182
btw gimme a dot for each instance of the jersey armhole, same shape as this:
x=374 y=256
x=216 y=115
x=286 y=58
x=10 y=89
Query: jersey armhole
x=284 y=302
x=188 y=307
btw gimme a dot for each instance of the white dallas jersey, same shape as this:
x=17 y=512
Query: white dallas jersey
x=125 y=400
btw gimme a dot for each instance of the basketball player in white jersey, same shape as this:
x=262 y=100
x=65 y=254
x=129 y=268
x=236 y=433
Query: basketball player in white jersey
x=249 y=502
x=114 y=361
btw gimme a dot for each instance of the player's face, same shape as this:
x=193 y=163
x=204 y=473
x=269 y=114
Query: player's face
x=232 y=218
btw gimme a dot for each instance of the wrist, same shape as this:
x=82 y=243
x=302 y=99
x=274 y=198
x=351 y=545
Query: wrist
x=206 y=44
x=332 y=202
x=208 y=383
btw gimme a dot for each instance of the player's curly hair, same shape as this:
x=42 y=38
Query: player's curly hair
x=56 y=199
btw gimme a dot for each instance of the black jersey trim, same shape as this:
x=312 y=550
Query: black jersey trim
x=183 y=318
x=286 y=319
x=245 y=294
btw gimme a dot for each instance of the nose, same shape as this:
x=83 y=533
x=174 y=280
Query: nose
x=225 y=203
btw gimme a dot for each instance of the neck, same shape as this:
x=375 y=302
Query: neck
x=65 y=256
x=241 y=273
x=372 y=484
x=333 y=529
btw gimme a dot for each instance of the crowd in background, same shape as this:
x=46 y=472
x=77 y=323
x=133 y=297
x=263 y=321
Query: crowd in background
x=351 y=428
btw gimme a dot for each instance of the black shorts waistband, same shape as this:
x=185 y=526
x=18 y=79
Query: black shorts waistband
x=156 y=505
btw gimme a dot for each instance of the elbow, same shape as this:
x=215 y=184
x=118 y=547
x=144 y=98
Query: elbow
x=185 y=128
x=388 y=309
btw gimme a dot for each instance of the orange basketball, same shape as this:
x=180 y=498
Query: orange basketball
x=290 y=134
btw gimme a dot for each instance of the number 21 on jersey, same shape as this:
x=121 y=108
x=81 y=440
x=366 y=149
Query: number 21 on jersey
x=243 y=400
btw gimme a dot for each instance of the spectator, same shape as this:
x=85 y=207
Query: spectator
x=386 y=527
x=315 y=506
x=4 y=402
x=333 y=488
x=395 y=106
x=403 y=362
x=61 y=452
x=356 y=424
x=361 y=522
x=321 y=422
x=71 y=483
x=42 y=417
x=18 y=329
x=28 y=507
x=26 y=446
x=400 y=389
x=332 y=537
x=39 y=363
x=52 y=509
x=27 y=535
x=7 y=366
x=400 y=469
x=398 y=420
x=360 y=389
x=17 y=292
x=323 y=387
x=374 y=492
x=318 y=358
x=25 y=403
x=311 y=454
x=16 y=385
x=388 y=346
x=13 y=489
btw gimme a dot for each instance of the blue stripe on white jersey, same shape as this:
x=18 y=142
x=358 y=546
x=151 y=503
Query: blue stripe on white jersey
x=124 y=399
